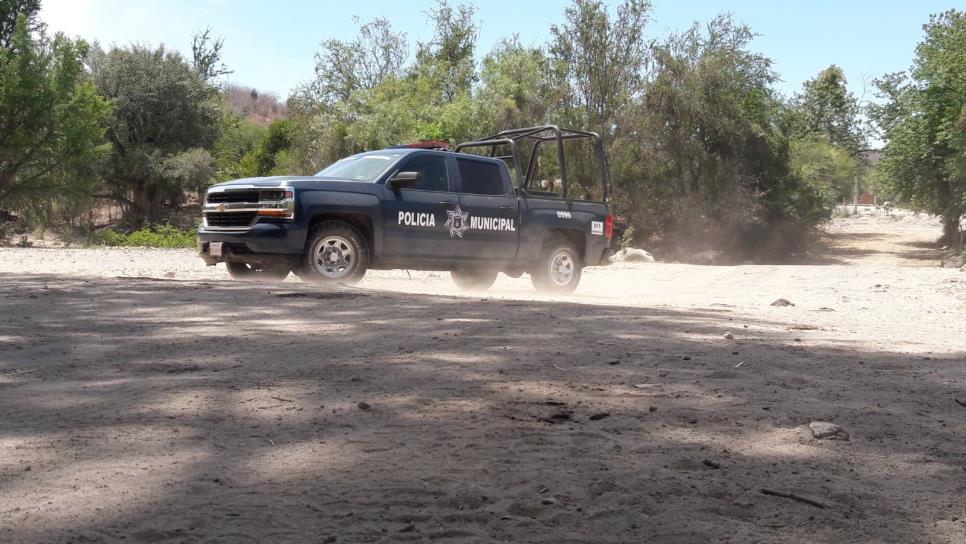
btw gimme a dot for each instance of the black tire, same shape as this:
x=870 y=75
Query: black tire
x=245 y=271
x=345 y=258
x=558 y=268
x=473 y=280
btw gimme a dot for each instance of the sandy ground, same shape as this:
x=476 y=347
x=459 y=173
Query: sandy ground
x=147 y=398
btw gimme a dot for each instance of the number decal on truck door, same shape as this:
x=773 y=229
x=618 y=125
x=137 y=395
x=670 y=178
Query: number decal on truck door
x=597 y=227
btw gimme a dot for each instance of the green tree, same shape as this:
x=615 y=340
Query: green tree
x=342 y=67
x=826 y=109
x=448 y=58
x=263 y=159
x=366 y=97
x=52 y=116
x=923 y=121
x=239 y=136
x=164 y=119
x=206 y=55
x=598 y=61
x=699 y=152
x=515 y=86
x=827 y=170
x=10 y=11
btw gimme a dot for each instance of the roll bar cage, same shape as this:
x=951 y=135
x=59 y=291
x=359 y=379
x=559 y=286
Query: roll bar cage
x=540 y=135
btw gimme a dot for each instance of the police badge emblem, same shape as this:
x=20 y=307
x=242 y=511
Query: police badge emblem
x=457 y=222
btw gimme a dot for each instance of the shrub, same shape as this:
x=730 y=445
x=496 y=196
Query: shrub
x=159 y=236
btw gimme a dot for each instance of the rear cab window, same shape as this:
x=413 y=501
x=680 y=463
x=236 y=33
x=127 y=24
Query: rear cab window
x=480 y=177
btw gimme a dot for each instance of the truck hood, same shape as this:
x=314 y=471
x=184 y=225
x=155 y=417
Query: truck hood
x=301 y=182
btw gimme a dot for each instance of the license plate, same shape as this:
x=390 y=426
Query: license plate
x=214 y=249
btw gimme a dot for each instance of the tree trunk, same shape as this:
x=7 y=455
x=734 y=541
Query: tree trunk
x=951 y=234
x=951 y=214
x=147 y=203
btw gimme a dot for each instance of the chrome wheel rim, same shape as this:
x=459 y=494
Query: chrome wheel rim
x=562 y=268
x=334 y=257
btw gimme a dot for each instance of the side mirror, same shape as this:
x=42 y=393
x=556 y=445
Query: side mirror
x=403 y=180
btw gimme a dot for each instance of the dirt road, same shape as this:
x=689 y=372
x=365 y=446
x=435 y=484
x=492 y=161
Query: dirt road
x=653 y=405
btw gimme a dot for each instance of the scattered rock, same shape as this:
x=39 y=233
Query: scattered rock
x=169 y=275
x=599 y=416
x=711 y=464
x=783 y=302
x=562 y=416
x=409 y=528
x=823 y=430
x=652 y=409
x=728 y=336
x=630 y=255
x=364 y=406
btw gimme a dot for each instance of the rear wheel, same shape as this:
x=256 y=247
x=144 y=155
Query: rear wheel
x=337 y=253
x=558 y=268
x=245 y=271
x=473 y=280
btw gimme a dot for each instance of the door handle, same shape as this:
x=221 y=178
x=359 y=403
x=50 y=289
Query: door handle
x=446 y=202
x=508 y=207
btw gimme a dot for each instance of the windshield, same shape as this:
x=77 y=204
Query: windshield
x=364 y=167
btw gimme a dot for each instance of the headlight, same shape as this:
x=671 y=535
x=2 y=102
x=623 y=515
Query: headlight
x=279 y=204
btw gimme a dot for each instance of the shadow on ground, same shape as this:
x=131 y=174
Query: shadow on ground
x=153 y=411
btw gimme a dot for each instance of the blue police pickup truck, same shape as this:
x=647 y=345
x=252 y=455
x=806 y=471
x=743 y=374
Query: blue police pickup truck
x=501 y=204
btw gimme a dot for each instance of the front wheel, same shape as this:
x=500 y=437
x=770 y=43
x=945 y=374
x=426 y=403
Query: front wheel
x=473 y=280
x=337 y=253
x=245 y=271
x=558 y=268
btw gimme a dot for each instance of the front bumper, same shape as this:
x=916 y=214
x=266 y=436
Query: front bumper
x=263 y=243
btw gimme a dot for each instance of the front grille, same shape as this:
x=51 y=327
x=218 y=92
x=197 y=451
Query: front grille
x=233 y=196
x=230 y=219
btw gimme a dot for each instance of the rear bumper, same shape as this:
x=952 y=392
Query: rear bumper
x=605 y=258
x=264 y=243
x=598 y=254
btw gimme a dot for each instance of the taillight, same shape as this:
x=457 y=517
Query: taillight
x=609 y=227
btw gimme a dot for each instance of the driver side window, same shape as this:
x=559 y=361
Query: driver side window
x=432 y=171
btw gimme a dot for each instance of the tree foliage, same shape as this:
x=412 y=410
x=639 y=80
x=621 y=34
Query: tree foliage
x=923 y=120
x=344 y=67
x=447 y=59
x=515 y=86
x=164 y=119
x=51 y=118
x=827 y=110
x=10 y=11
x=206 y=55
x=699 y=152
x=598 y=61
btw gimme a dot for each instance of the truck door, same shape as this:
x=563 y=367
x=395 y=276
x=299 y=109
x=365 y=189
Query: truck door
x=414 y=218
x=491 y=214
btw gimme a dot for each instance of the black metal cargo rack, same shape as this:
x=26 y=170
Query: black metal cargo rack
x=539 y=136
